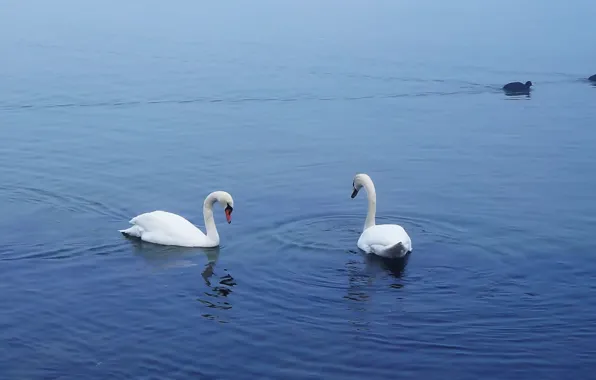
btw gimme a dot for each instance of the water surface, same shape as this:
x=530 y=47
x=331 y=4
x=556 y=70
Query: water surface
x=111 y=109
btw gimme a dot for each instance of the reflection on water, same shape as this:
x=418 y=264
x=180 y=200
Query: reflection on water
x=361 y=278
x=518 y=95
x=217 y=295
x=359 y=285
x=358 y=281
x=394 y=267
x=102 y=128
x=167 y=257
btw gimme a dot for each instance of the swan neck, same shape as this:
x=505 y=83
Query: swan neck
x=209 y=220
x=371 y=195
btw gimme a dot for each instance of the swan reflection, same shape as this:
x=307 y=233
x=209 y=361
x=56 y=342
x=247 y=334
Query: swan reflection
x=361 y=278
x=216 y=297
x=167 y=257
x=394 y=267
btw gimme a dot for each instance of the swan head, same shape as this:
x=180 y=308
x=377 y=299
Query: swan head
x=358 y=182
x=226 y=201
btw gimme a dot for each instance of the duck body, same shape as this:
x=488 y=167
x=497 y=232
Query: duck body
x=518 y=87
x=592 y=78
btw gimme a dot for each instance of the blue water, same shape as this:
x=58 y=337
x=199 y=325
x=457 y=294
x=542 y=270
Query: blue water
x=110 y=109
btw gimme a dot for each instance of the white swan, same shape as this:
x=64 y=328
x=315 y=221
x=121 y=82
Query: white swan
x=165 y=228
x=386 y=240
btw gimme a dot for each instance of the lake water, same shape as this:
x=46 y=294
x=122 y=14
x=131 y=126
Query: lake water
x=110 y=109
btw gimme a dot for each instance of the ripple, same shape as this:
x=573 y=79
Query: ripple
x=470 y=89
x=318 y=251
x=216 y=299
x=69 y=202
x=317 y=232
x=316 y=254
x=308 y=250
x=40 y=251
x=340 y=232
x=63 y=225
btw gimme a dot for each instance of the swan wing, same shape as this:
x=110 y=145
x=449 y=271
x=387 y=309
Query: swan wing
x=387 y=240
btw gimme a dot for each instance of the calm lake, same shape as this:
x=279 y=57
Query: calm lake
x=109 y=109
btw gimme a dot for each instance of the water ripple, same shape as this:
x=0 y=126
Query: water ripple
x=476 y=91
x=57 y=200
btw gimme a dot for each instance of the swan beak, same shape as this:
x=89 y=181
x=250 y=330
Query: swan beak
x=354 y=193
x=228 y=212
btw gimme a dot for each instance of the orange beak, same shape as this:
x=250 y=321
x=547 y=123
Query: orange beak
x=228 y=212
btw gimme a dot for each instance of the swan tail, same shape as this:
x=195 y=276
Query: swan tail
x=132 y=231
x=395 y=251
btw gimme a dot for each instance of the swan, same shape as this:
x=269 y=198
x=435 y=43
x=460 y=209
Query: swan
x=165 y=228
x=386 y=240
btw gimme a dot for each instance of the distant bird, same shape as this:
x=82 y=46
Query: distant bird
x=592 y=78
x=518 y=87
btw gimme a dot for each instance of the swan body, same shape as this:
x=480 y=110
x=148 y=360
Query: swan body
x=166 y=228
x=386 y=240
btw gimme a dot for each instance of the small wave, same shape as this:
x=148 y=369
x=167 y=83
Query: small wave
x=316 y=231
x=340 y=231
x=463 y=91
x=68 y=202
x=40 y=251
x=312 y=250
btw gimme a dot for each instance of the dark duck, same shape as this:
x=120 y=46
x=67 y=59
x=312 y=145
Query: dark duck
x=518 y=87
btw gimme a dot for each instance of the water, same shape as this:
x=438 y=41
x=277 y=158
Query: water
x=111 y=109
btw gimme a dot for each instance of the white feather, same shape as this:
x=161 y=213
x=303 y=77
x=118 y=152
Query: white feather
x=386 y=240
x=165 y=228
